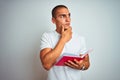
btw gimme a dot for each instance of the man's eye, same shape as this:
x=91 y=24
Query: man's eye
x=62 y=16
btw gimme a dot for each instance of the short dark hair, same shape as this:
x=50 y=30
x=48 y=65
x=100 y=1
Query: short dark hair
x=55 y=9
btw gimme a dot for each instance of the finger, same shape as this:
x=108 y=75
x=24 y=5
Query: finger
x=72 y=63
x=62 y=28
x=81 y=61
x=69 y=65
x=76 y=61
x=67 y=27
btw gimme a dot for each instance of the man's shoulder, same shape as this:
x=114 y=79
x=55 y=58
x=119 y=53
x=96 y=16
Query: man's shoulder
x=49 y=33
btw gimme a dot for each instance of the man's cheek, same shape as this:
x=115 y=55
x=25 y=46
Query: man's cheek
x=63 y=21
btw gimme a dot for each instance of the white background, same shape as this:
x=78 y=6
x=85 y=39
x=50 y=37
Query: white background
x=23 y=21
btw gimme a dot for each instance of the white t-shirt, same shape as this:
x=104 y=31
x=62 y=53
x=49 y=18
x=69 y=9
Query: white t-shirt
x=77 y=43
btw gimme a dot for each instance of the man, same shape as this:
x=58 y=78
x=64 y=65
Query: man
x=56 y=43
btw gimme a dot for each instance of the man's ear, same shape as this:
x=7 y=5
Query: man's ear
x=53 y=20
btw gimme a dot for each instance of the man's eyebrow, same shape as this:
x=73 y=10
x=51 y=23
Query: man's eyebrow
x=64 y=14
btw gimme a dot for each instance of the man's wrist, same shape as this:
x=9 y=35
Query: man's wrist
x=62 y=40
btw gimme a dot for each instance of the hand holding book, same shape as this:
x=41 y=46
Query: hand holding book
x=65 y=58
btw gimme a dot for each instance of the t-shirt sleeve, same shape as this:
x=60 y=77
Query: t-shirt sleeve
x=45 y=41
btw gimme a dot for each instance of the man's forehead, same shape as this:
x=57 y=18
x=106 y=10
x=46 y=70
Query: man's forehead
x=62 y=10
x=62 y=13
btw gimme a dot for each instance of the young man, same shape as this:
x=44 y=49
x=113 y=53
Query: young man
x=56 y=43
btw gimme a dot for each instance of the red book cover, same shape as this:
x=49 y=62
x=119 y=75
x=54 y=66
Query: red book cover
x=71 y=57
x=66 y=58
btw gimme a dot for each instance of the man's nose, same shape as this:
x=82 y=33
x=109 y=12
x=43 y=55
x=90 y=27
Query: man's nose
x=68 y=19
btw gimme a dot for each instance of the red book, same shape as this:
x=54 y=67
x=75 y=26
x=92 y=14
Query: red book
x=66 y=58
x=71 y=57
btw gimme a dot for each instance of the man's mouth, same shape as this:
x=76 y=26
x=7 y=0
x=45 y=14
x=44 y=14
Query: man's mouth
x=68 y=24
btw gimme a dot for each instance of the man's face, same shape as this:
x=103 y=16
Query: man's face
x=62 y=17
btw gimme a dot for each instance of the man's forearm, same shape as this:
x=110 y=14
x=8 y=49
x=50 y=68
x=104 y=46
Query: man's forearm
x=51 y=57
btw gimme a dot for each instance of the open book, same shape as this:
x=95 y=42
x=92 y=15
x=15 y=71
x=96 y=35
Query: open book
x=71 y=57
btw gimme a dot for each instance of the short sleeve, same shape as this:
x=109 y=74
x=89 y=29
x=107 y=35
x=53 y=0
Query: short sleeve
x=45 y=41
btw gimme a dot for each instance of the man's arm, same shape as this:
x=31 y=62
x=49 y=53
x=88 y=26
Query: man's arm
x=49 y=56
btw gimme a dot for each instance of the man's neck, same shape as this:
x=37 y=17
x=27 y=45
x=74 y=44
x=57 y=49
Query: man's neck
x=58 y=31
